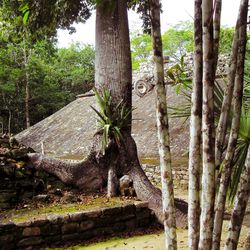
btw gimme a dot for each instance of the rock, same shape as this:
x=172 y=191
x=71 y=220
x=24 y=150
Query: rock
x=42 y=197
x=126 y=186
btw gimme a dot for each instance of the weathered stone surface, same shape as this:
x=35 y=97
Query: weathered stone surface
x=93 y=213
x=86 y=225
x=6 y=238
x=31 y=231
x=69 y=132
x=70 y=237
x=60 y=229
x=33 y=241
x=70 y=228
x=111 y=211
x=17 y=181
x=77 y=216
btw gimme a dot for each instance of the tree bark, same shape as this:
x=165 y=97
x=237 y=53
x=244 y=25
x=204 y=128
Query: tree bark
x=208 y=176
x=239 y=208
x=237 y=103
x=113 y=69
x=216 y=31
x=227 y=100
x=27 y=85
x=195 y=135
x=169 y=219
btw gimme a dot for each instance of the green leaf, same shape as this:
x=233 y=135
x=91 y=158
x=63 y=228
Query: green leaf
x=26 y=17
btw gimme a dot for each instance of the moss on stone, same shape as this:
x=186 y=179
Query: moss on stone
x=27 y=214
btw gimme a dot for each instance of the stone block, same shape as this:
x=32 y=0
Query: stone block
x=7 y=238
x=123 y=217
x=77 y=216
x=70 y=228
x=70 y=237
x=52 y=239
x=30 y=241
x=130 y=224
x=40 y=222
x=31 y=231
x=86 y=225
x=113 y=211
x=93 y=213
x=128 y=209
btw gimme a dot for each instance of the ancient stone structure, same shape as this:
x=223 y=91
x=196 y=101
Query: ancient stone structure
x=18 y=181
x=180 y=175
x=71 y=227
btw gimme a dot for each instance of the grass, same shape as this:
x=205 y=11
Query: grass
x=31 y=213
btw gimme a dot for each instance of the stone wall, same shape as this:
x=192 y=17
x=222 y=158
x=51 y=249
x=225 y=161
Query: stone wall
x=180 y=175
x=18 y=181
x=79 y=226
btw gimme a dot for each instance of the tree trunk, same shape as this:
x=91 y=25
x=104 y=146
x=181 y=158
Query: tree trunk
x=227 y=100
x=163 y=132
x=113 y=71
x=239 y=208
x=92 y=174
x=195 y=136
x=208 y=183
x=112 y=180
x=27 y=87
x=237 y=102
x=216 y=32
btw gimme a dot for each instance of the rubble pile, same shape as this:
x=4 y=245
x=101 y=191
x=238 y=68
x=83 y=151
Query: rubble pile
x=19 y=182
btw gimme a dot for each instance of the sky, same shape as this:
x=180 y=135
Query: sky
x=174 y=11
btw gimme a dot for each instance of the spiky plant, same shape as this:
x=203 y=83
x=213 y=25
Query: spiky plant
x=112 y=120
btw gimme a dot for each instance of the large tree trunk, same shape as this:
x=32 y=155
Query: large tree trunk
x=208 y=176
x=169 y=219
x=237 y=102
x=113 y=69
x=113 y=72
x=195 y=135
x=239 y=208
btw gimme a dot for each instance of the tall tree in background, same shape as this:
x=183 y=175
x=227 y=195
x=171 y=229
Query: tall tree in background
x=169 y=220
x=241 y=27
x=208 y=176
x=195 y=135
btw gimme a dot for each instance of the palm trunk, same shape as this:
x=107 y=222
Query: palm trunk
x=163 y=132
x=195 y=136
x=237 y=102
x=239 y=208
x=216 y=32
x=226 y=104
x=208 y=176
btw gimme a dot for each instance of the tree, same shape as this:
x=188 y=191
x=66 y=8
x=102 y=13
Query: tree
x=208 y=175
x=235 y=125
x=169 y=219
x=195 y=135
x=93 y=172
x=239 y=208
x=54 y=76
